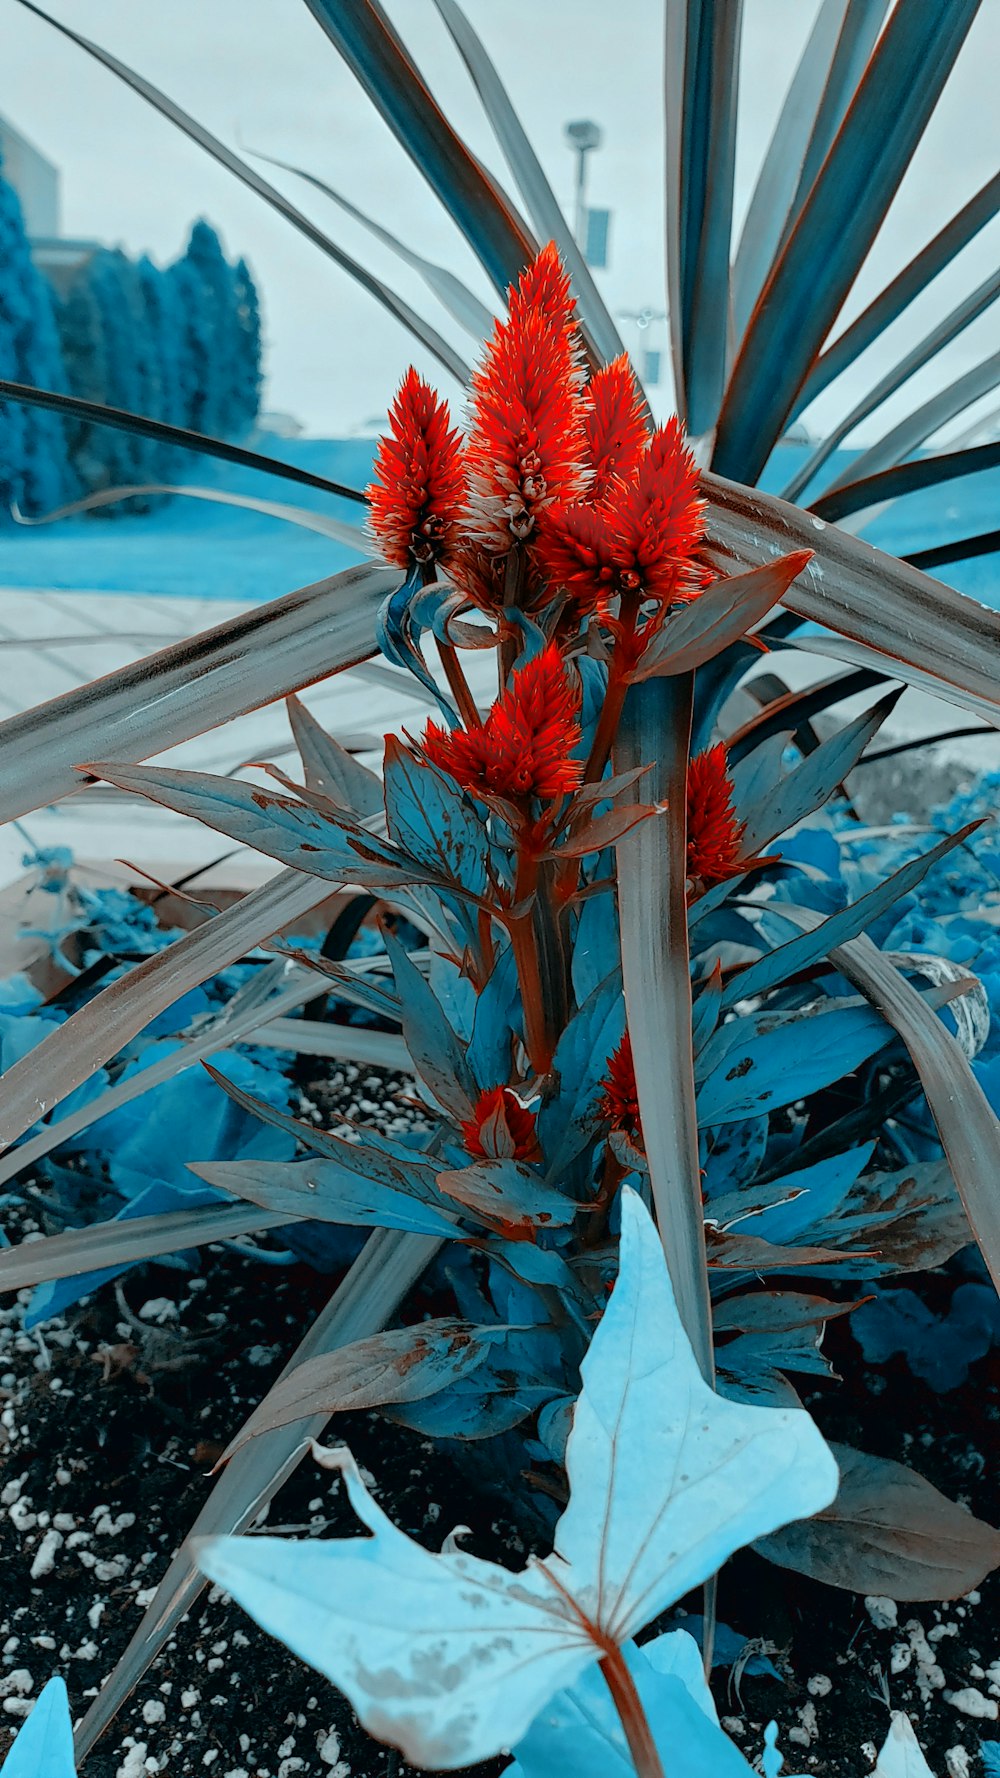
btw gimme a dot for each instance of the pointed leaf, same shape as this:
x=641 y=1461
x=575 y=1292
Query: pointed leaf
x=771 y=1059
x=121 y=1243
x=406 y=1364
x=376 y=1192
x=431 y=820
x=719 y=617
x=809 y=785
x=330 y=769
x=889 y=1532
x=43 y=1746
x=507 y=1196
x=437 y=1052
x=190 y=687
x=567 y=1119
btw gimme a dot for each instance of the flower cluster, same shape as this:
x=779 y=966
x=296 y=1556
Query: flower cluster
x=714 y=830
x=501 y=1128
x=559 y=491
x=524 y=748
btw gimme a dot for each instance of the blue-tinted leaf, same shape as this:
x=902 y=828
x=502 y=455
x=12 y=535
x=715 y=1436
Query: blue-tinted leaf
x=329 y=769
x=324 y=846
x=452 y=1658
x=438 y=1054
x=43 y=1746
x=397 y=631
x=496 y=1018
x=595 y=952
x=580 y=1732
x=772 y=1059
x=838 y=223
x=372 y=1191
x=567 y=1120
x=779 y=965
x=809 y=785
x=430 y=819
x=707 y=1008
x=815 y=1194
x=734 y=1156
x=404 y=1364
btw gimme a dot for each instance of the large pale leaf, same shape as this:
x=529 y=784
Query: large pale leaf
x=43 y=1747
x=191 y=686
x=249 y=176
x=382 y=1275
x=376 y=57
x=838 y=223
x=451 y=1658
x=890 y=1532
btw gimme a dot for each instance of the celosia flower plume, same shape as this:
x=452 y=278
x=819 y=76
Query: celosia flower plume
x=501 y=1128
x=525 y=444
x=524 y=747
x=714 y=831
x=618 y=1106
x=614 y=427
x=419 y=484
x=641 y=541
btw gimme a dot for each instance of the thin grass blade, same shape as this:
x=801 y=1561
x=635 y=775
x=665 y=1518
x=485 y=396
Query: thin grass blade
x=456 y=297
x=97 y=414
x=902 y=290
x=781 y=167
x=905 y=478
x=350 y=535
x=839 y=221
x=125 y=1243
x=384 y=69
x=933 y=342
x=542 y=205
x=910 y=434
x=652 y=899
x=963 y=549
x=380 y=1278
x=247 y=175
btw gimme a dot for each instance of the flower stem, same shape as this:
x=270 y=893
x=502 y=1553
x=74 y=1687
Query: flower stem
x=459 y=685
x=634 y=1721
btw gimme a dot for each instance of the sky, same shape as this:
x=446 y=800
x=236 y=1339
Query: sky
x=260 y=74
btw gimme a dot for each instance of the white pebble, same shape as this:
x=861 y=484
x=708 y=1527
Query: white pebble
x=972 y=1703
x=17 y=1684
x=957 y=1762
x=883 y=1612
x=154 y=1710
x=45 y=1555
x=820 y=1685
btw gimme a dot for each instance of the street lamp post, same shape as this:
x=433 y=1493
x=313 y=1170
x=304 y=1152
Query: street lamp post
x=582 y=136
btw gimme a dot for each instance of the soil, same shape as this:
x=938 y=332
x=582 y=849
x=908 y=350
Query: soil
x=107 y=1433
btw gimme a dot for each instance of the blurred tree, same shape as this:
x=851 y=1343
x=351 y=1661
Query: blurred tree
x=34 y=465
x=247 y=357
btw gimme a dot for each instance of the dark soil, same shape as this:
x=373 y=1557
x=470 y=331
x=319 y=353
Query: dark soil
x=106 y=1437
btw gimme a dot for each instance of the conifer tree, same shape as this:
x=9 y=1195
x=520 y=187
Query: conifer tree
x=34 y=467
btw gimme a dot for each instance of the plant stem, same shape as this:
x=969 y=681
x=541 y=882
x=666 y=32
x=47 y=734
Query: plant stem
x=459 y=685
x=634 y=1721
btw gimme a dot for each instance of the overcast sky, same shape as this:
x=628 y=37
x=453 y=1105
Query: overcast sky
x=260 y=72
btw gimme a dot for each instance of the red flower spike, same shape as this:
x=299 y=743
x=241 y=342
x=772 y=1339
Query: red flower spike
x=619 y=1103
x=501 y=1128
x=614 y=427
x=714 y=833
x=419 y=488
x=523 y=748
x=525 y=446
x=640 y=543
